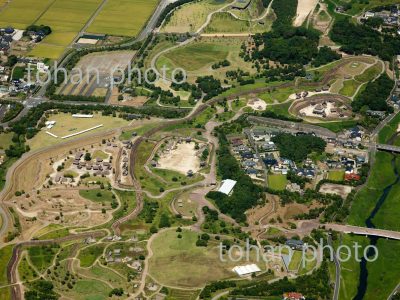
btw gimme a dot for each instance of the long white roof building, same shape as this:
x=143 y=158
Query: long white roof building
x=246 y=270
x=227 y=186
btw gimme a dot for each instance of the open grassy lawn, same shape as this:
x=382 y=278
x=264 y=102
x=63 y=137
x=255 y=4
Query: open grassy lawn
x=350 y=270
x=382 y=175
x=383 y=274
x=296 y=260
x=189 y=17
x=91 y=290
x=277 y=182
x=88 y=255
x=338 y=126
x=5 y=140
x=194 y=56
x=5 y=293
x=123 y=17
x=42 y=256
x=197 y=58
x=97 y=195
x=387 y=132
x=55 y=234
x=349 y=88
x=5 y=255
x=225 y=23
x=388 y=215
x=175 y=258
x=336 y=175
x=128 y=203
x=370 y=73
x=67 y=125
x=25 y=271
x=279 y=95
x=22 y=13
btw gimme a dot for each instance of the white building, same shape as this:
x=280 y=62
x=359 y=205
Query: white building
x=227 y=186
x=82 y=116
x=246 y=270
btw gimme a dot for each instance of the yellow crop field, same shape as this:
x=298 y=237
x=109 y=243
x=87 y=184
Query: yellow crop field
x=123 y=17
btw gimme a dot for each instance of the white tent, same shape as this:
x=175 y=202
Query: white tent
x=246 y=270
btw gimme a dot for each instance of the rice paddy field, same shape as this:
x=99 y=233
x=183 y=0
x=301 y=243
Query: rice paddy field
x=17 y=14
x=123 y=17
x=68 y=17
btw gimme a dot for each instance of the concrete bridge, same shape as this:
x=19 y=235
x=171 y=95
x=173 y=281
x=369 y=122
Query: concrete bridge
x=389 y=148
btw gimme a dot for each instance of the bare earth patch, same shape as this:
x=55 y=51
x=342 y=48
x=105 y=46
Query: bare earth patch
x=337 y=189
x=304 y=8
x=257 y=104
x=181 y=158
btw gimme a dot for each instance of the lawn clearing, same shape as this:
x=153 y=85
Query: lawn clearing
x=189 y=17
x=5 y=255
x=42 y=256
x=66 y=125
x=6 y=140
x=88 y=255
x=175 y=258
x=336 y=175
x=123 y=17
x=91 y=290
x=224 y=22
x=277 y=182
x=349 y=88
x=97 y=195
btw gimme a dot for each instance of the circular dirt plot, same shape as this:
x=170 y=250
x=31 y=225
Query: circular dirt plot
x=326 y=107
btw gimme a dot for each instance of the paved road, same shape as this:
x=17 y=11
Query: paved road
x=337 y=276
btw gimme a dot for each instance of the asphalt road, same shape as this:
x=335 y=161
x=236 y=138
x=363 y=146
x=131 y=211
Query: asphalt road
x=337 y=277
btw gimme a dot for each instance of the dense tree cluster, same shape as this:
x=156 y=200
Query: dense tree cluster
x=15 y=109
x=313 y=286
x=210 y=86
x=325 y=55
x=361 y=39
x=297 y=148
x=245 y=194
x=215 y=286
x=39 y=28
x=375 y=95
x=41 y=289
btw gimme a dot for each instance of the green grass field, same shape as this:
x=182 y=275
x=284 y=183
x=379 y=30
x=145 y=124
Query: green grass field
x=387 y=132
x=194 y=56
x=336 y=175
x=338 y=126
x=42 y=256
x=67 y=125
x=123 y=17
x=175 y=258
x=349 y=88
x=225 y=23
x=5 y=140
x=97 y=195
x=88 y=255
x=189 y=17
x=5 y=255
x=277 y=182
x=382 y=175
x=91 y=290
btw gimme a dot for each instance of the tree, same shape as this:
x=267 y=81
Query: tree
x=88 y=156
